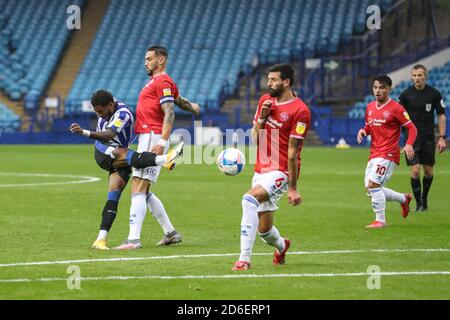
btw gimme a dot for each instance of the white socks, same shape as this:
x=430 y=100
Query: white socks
x=160 y=160
x=249 y=225
x=159 y=213
x=378 y=203
x=138 y=211
x=392 y=195
x=102 y=235
x=379 y=197
x=273 y=238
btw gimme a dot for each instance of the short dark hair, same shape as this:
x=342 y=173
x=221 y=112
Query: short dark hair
x=420 y=66
x=101 y=98
x=159 y=51
x=286 y=72
x=383 y=79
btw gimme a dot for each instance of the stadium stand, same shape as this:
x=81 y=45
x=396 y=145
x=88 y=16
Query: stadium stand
x=211 y=43
x=438 y=77
x=9 y=121
x=32 y=39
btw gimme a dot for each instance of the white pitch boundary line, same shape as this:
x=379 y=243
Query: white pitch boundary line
x=235 y=276
x=85 y=179
x=34 y=263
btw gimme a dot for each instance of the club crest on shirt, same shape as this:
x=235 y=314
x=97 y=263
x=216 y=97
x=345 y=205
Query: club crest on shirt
x=428 y=107
x=386 y=114
x=117 y=123
x=284 y=116
x=167 y=92
x=301 y=127
x=406 y=115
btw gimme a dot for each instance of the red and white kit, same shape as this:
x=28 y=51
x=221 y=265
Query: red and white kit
x=290 y=119
x=150 y=116
x=383 y=124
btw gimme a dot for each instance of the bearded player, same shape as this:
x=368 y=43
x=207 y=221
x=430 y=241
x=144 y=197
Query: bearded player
x=280 y=125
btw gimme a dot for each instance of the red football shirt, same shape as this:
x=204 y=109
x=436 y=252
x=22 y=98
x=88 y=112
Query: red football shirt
x=385 y=124
x=149 y=115
x=285 y=120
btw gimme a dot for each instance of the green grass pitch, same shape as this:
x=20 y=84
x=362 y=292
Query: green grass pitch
x=42 y=221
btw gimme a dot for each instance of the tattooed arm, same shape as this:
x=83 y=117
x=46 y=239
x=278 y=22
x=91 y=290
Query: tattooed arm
x=169 y=118
x=186 y=105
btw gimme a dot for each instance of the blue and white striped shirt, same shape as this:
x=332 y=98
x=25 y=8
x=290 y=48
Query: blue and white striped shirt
x=122 y=122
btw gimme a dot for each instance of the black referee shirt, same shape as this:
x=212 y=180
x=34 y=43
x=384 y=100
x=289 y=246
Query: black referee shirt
x=421 y=106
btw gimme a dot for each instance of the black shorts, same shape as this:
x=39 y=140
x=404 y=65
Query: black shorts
x=424 y=149
x=105 y=162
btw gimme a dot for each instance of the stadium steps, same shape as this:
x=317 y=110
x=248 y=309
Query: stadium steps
x=17 y=108
x=77 y=48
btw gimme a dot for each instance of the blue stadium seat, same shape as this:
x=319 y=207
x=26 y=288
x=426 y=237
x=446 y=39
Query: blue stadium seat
x=211 y=43
x=32 y=38
x=9 y=121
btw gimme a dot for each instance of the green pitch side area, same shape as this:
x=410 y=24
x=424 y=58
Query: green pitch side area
x=52 y=197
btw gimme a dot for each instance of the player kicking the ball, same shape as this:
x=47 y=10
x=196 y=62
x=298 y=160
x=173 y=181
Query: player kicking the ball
x=281 y=123
x=384 y=120
x=113 y=135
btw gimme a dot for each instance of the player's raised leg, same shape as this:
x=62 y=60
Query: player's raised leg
x=270 y=235
x=403 y=198
x=139 y=160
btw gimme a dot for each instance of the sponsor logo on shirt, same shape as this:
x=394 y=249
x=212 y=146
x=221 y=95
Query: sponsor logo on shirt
x=378 y=122
x=117 y=123
x=301 y=127
x=273 y=123
x=167 y=92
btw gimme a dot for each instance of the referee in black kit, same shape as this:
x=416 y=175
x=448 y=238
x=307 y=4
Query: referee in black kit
x=421 y=101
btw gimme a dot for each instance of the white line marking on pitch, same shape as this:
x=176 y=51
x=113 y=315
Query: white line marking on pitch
x=84 y=179
x=238 y=276
x=23 y=264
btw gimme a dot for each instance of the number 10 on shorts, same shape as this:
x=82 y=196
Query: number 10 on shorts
x=381 y=170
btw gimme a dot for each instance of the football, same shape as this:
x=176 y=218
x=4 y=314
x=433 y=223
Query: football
x=231 y=161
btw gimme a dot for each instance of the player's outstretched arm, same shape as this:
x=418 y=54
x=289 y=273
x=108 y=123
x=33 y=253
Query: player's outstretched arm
x=186 y=105
x=106 y=135
x=294 y=196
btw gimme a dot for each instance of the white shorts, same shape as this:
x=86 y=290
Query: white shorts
x=379 y=170
x=146 y=143
x=275 y=183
